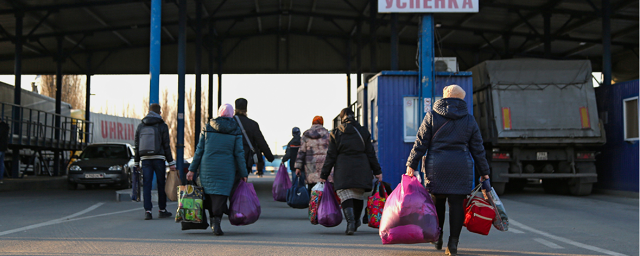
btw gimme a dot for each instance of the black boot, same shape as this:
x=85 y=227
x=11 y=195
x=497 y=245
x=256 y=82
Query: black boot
x=215 y=221
x=452 y=247
x=351 y=222
x=358 y=223
x=439 y=242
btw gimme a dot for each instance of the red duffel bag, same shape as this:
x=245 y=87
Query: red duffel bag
x=479 y=214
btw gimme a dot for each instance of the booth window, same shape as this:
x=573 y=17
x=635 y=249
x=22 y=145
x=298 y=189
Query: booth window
x=630 y=112
x=411 y=118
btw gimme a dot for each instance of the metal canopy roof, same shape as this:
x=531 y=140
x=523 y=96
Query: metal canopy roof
x=307 y=36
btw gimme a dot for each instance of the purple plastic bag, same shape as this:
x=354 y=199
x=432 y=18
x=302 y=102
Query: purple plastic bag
x=244 y=208
x=281 y=184
x=409 y=215
x=329 y=214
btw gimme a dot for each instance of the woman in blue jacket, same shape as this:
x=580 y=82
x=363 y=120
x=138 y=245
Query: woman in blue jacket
x=220 y=157
x=452 y=138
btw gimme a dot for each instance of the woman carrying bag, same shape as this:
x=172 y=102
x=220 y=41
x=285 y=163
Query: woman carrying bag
x=352 y=155
x=452 y=138
x=220 y=157
x=312 y=152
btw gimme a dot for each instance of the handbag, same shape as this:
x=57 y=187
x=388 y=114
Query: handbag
x=314 y=202
x=375 y=205
x=297 y=195
x=190 y=204
x=479 y=214
x=171 y=187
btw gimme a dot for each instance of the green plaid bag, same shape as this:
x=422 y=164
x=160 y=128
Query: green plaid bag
x=190 y=204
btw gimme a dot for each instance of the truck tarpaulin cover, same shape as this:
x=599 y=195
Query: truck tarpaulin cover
x=533 y=98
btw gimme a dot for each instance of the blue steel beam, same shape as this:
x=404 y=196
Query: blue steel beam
x=154 y=51
x=182 y=56
x=426 y=48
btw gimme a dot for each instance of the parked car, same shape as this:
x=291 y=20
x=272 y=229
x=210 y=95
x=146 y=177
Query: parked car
x=104 y=163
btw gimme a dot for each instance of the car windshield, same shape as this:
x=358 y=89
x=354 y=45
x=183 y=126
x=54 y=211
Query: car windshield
x=105 y=151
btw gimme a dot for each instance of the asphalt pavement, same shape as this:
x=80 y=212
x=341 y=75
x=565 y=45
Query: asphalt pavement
x=91 y=222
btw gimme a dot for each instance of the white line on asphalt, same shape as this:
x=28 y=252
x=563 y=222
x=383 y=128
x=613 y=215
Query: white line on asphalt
x=51 y=222
x=565 y=240
x=548 y=243
x=515 y=230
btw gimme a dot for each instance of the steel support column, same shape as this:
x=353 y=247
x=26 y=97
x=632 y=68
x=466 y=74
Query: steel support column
x=359 y=70
x=87 y=107
x=606 y=43
x=220 y=74
x=394 y=41
x=547 y=35
x=426 y=48
x=211 y=48
x=59 y=61
x=198 y=68
x=373 y=12
x=348 y=59
x=16 y=117
x=182 y=55
x=154 y=52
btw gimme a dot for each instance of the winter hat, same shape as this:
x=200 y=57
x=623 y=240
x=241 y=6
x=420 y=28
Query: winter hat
x=225 y=110
x=318 y=120
x=453 y=91
x=241 y=104
x=295 y=131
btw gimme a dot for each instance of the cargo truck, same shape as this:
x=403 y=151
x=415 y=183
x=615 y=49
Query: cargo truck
x=539 y=122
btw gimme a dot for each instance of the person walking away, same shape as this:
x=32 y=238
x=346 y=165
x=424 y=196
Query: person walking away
x=452 y=139
x=313 y=152
x=291 y=153
x=220 y=158
x=4 y=141
x=153 y=148
x=253 y=141
x=353 y=158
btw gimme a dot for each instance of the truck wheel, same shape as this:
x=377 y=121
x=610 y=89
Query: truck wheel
x=498 y=187
x=581 y=189
x=72 y=186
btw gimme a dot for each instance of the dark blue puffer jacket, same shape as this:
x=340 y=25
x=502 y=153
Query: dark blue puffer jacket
x=452 y=138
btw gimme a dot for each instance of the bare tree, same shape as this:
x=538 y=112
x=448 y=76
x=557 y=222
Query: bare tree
x=73 y=89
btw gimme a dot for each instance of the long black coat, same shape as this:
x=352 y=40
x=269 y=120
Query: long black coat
x=452 y=138
x=257 y=141
x=355 y=162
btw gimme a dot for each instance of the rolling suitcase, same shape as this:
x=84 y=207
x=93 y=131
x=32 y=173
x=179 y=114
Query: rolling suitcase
x=135 y=184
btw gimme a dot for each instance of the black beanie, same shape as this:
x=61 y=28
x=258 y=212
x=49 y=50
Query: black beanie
x=241 y=104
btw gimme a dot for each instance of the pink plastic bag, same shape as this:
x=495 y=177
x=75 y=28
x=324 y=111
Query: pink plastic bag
x=281 y=184
x=245 y=206
x=329 y=214
x=409 y=215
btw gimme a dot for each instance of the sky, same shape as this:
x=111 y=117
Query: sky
x=277 y=102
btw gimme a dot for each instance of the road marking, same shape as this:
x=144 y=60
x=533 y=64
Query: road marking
x=548 y=243
x=51 y=222
x=515 y=230
x=565 y=240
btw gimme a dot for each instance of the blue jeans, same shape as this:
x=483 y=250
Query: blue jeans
x=149 y=167
x=1 y=165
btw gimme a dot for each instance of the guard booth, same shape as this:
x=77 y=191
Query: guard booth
x=395 y=113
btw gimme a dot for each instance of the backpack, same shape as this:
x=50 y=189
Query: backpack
x=150 y=141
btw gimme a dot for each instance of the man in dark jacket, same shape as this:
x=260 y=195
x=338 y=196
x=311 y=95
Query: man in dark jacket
x=452 y=138
x=153 y=147
x=292 y=151
x=4 y=140
x=253 y=135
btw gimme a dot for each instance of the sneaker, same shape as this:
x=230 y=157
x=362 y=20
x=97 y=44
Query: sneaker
x=147 y=216
x=164 y=214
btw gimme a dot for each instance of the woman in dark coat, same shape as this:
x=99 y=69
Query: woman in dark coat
x=354 y=161
x=220 y=157
x=452 y=139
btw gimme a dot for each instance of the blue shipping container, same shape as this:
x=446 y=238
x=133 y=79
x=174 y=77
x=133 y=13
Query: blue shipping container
x=389 y=94
x=617 y=164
